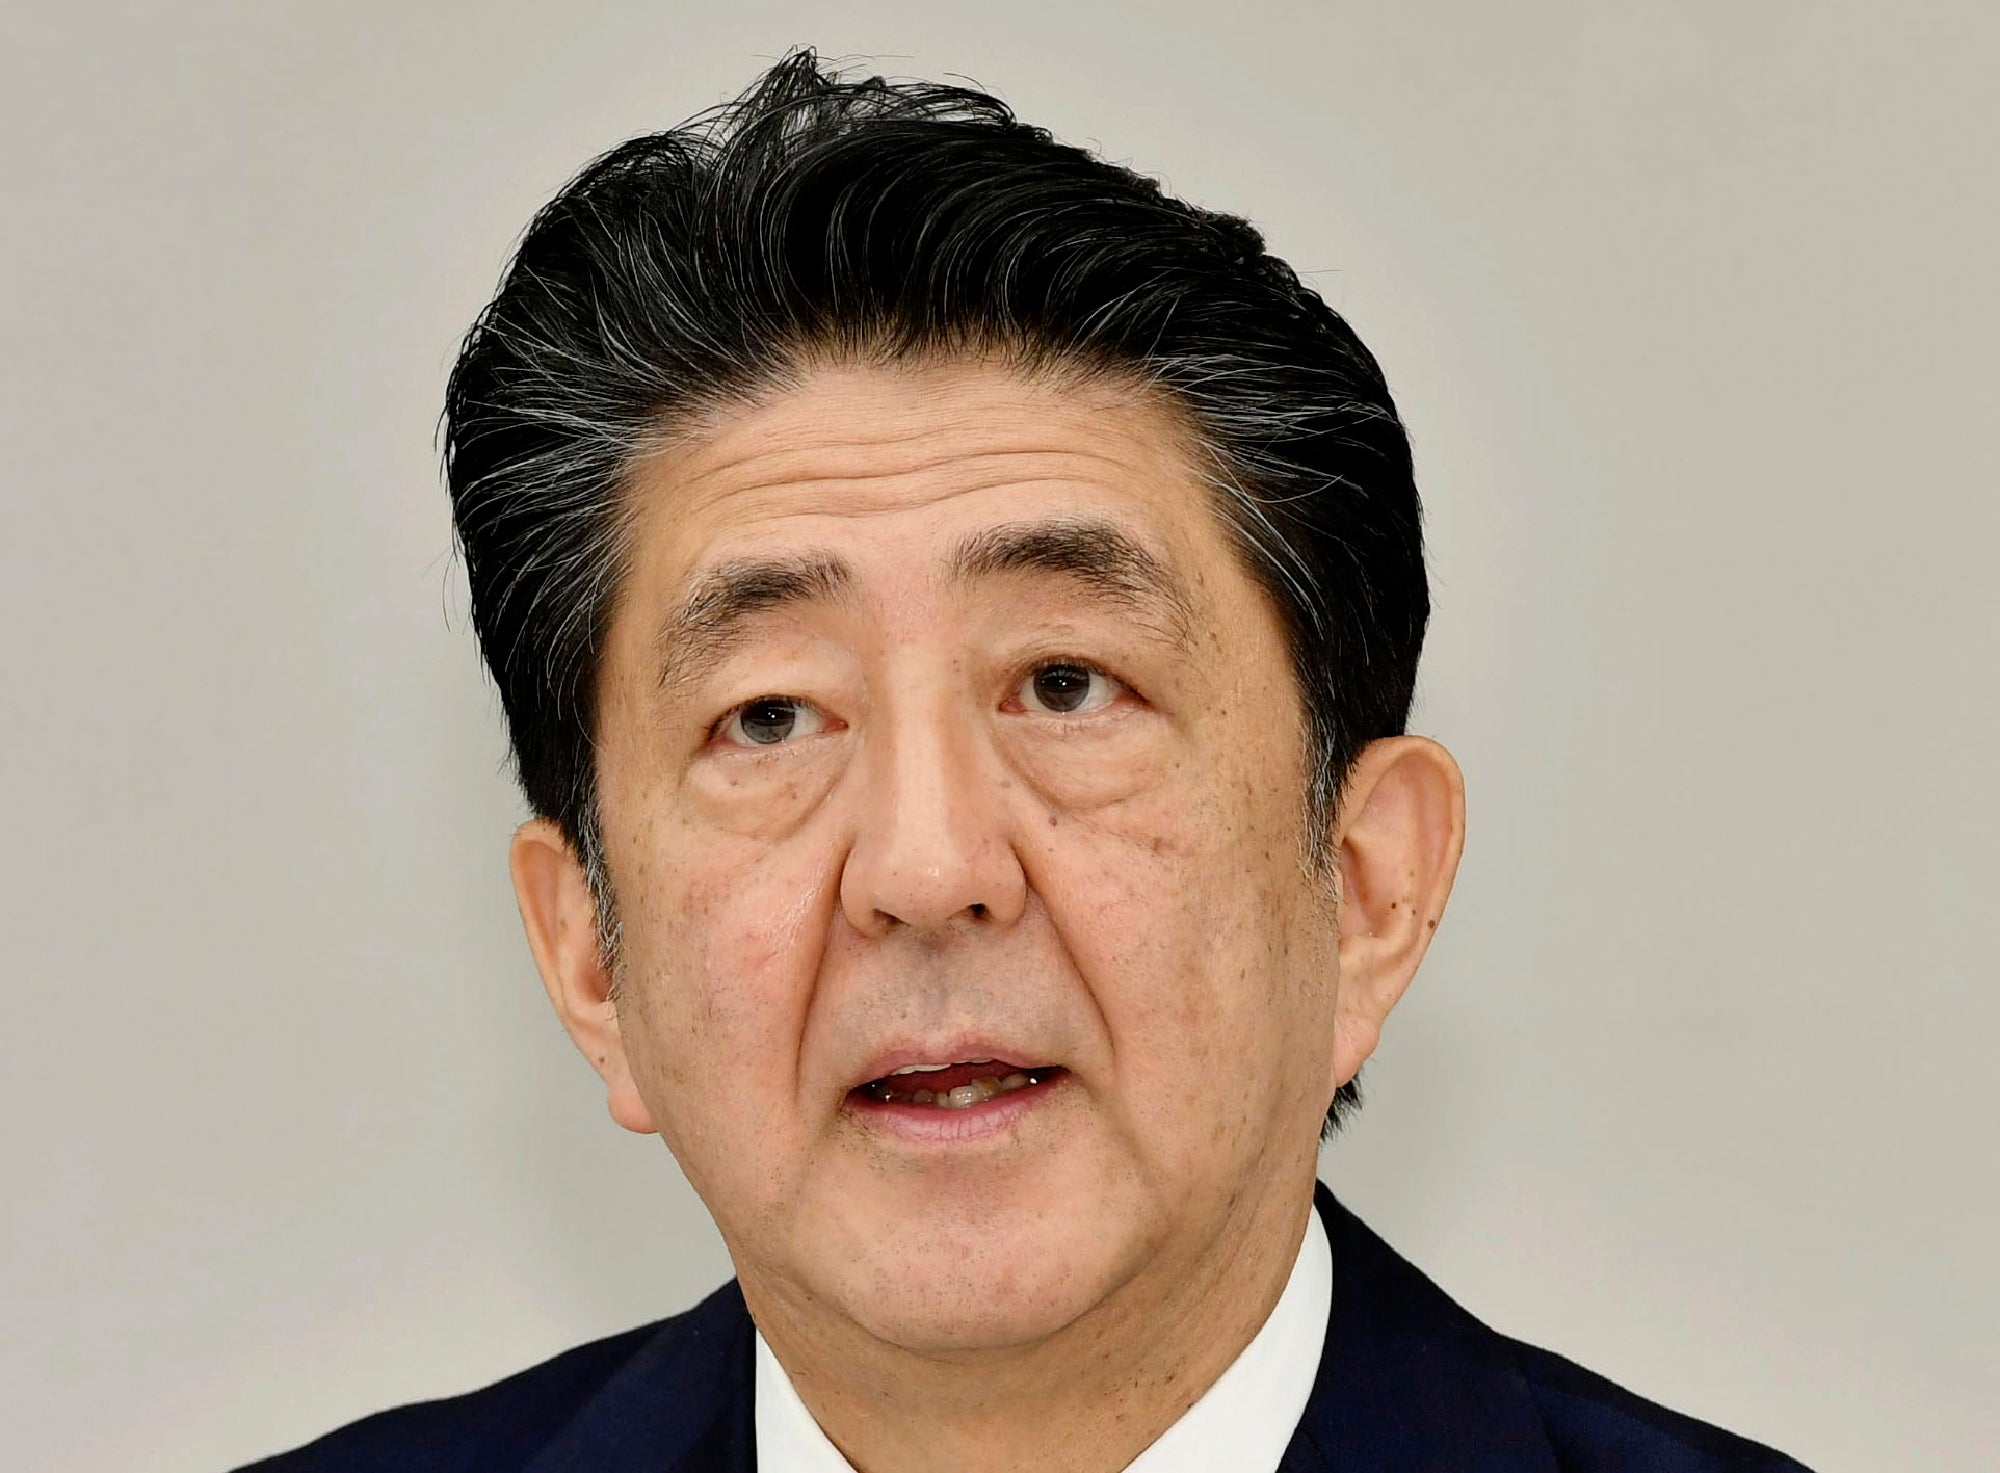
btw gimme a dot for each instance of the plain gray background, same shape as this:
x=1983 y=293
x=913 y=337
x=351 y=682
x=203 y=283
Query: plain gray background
x=1691 y=311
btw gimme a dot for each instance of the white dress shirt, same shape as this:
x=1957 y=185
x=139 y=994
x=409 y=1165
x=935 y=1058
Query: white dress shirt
x=1243 y=1422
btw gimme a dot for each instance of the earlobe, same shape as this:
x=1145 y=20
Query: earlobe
x=560 y=917
x=1400 y=835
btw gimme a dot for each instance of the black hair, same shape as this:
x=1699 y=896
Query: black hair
x=818 y=217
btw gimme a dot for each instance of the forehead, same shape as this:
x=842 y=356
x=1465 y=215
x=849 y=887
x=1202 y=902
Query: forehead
x=901 y=461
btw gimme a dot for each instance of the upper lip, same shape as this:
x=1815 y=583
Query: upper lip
x=1006 y=1057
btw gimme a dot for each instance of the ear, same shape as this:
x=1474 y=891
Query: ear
x=1399 y=835
x=561 y=920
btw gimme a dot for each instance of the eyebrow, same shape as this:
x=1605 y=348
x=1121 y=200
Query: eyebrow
x=715 y=616
x=1105 y=562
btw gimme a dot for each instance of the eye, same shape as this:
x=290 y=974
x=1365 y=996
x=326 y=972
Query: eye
x=1067 y=689
x=769 y=721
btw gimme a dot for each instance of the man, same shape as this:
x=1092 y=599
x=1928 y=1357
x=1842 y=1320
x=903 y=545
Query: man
x=956 y=610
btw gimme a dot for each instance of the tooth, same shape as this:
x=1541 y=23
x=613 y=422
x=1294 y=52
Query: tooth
x=964 y=1097
x=922 y=1097
x=920 y=1069
x=1015 y=1080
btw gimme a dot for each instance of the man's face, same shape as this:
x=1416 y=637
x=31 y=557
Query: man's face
x=940 y=724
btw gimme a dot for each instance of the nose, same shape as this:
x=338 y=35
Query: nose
x=931 y=848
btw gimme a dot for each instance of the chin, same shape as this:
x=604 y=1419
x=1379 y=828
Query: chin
x=972 y=1281
x=977 y=1305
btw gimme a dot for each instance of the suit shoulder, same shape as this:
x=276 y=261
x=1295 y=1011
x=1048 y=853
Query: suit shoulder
x=502 y=1426
x=1595 y=1424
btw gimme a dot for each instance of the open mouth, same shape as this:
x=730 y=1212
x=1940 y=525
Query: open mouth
x=956 y=1086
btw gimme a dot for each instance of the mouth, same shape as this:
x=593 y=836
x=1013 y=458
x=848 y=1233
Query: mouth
x=965 y=1084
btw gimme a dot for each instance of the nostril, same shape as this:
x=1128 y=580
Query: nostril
x=978 y=910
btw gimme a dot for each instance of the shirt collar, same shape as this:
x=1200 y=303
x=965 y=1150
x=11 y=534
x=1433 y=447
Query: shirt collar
x=788 y=1439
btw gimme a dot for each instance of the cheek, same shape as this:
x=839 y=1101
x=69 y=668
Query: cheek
x=1177 y=924
x=719 y=953
x=1192 y=923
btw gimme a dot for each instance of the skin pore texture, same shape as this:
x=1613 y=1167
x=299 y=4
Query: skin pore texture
x=940 y=720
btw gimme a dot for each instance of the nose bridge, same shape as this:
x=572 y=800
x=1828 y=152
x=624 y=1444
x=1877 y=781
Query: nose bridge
x=930 y=844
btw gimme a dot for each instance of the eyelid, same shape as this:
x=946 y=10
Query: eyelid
x=1082 y=662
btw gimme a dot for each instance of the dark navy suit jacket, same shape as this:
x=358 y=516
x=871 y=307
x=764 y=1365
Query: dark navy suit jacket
x=1408 y=1383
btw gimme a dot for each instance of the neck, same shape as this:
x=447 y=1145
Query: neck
x=1088 y=1398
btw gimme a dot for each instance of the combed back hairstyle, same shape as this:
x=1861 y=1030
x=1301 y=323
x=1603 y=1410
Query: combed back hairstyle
x=819 y=219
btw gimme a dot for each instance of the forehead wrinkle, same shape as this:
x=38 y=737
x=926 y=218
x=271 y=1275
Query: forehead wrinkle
x=811 y=480
x=815 y=438
x=848 y=409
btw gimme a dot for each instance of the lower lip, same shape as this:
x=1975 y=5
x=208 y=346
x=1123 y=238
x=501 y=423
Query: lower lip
x=929 y=1125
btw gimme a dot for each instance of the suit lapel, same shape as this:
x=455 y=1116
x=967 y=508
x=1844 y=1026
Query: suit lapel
x=685 y=1403
x=1409 y=1382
